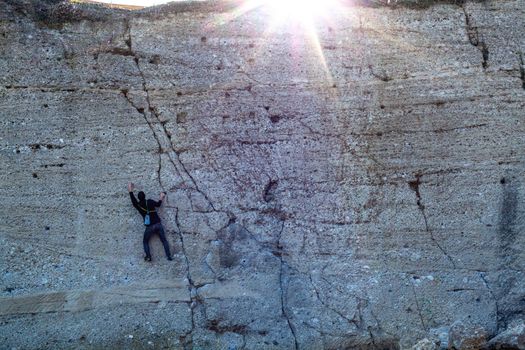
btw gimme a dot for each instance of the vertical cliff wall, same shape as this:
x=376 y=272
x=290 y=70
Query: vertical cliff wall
x=358 y=185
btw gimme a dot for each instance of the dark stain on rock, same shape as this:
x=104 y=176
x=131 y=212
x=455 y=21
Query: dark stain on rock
x=383 y=76
x=277 y=213
x=269 y=190
x=182 y=117
x=36 y=146
x=522 y=70
x=215 y=326
x=507 y=232
x=229 y=238
x=485 y=54
x=414 y=186
x=275 y=118
x=203 y=39
x=120 y=51
x=155 y=59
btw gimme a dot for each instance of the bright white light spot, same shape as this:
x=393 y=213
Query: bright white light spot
x=304 y=10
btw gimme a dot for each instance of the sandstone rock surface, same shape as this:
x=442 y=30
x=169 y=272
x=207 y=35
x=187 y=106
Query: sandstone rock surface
x=354 y=184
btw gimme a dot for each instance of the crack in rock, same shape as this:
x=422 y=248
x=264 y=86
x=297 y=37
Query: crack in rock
x=318 y=296
x=522 y=70
x=381 y=76
x=414 y=185
x=418 y=307
x=486 y=283
x=476 y=39
x=143 y=113
x=283 y=297
x=163 y=137
x=188 y=344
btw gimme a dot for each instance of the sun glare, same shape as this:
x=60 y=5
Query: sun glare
x=299 y=18
x=299 y=9
x=293 y=10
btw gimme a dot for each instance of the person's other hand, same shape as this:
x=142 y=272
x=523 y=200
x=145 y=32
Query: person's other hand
x=131 y=186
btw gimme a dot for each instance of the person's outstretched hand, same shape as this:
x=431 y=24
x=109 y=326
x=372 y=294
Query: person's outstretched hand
x=131 y=186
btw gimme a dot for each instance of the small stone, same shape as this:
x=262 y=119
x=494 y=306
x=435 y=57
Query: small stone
x=512 y=338
x=466 y=337
x=425 y=344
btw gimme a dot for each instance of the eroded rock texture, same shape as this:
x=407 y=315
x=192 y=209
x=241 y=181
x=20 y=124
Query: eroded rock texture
x=358 y=185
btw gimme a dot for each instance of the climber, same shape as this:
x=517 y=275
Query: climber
x=146 y=208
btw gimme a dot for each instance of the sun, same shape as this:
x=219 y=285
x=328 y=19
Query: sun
x=284 y=11
x=300 y=10
x=298 y=19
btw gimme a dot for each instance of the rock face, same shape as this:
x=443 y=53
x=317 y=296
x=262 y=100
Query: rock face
x=352 y=183
x=511 y=338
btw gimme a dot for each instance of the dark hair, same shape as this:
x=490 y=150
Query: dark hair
x=141 y=196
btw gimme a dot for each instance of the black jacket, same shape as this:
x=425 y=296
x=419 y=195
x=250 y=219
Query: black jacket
x=141 y=207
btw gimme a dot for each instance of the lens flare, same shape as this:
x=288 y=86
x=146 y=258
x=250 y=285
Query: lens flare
x=299 y=10
x=293 y=10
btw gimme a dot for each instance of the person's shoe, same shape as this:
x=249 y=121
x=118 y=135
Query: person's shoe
x=170 y=258
x=147 y=258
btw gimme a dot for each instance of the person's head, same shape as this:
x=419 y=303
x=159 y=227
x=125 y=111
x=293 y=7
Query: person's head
x=141 y=196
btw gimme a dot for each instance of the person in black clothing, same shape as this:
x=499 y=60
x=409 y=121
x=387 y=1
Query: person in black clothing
x=155 y=226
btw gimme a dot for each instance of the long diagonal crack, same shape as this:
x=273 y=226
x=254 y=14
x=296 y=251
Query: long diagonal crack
x=163 y=137
x=414 y=185
x=143 y=113
x=283 y=297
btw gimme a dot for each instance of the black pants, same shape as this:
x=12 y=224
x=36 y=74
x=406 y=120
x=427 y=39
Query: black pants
x=150 y=231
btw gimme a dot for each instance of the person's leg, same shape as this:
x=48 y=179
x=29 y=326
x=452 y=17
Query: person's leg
x=164 y=241
x=145 y=241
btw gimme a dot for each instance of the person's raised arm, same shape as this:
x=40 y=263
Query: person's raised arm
x=132 y=196
x=159 y=203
